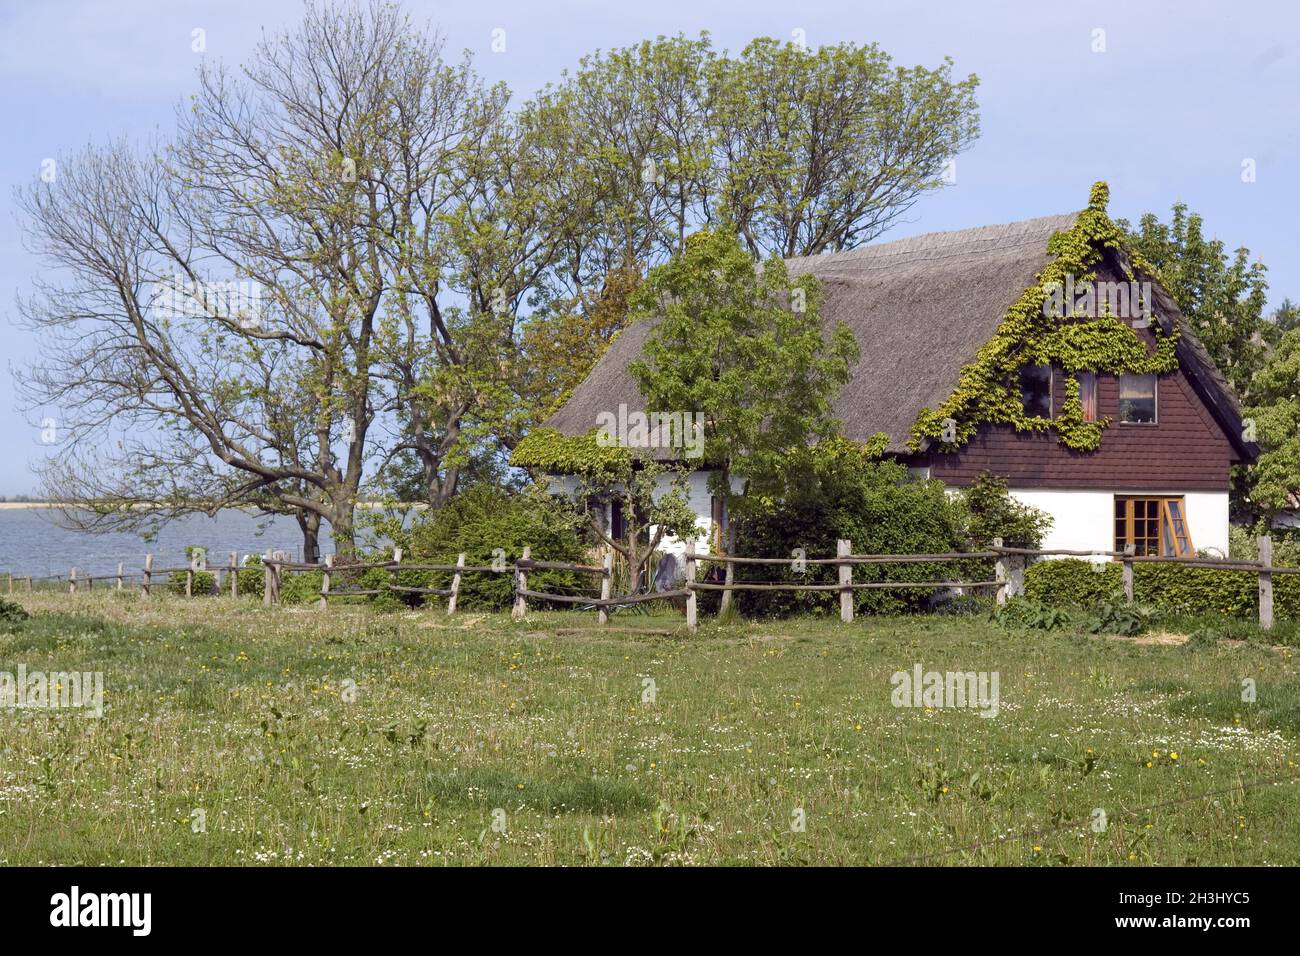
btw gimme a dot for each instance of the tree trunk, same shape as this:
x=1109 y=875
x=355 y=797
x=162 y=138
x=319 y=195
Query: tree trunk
x=309 y=522
x=343 y=529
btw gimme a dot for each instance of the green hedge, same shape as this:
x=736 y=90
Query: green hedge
x=1170 y=587
x=204 y=581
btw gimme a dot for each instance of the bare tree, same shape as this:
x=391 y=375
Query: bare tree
x=289 y=177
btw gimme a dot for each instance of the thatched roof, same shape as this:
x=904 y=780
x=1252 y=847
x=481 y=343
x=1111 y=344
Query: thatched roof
x=920 y=309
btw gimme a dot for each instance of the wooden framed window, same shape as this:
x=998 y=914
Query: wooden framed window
x=1036 y=390
x=1088 y=395
x=1156 y=527
x=1137 y=399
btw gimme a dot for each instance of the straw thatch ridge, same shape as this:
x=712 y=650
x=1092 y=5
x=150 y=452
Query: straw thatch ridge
x=920 y=309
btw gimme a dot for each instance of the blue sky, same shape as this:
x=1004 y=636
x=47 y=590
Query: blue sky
x=1182 y=94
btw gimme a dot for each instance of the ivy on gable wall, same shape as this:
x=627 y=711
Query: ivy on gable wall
x=988 y=389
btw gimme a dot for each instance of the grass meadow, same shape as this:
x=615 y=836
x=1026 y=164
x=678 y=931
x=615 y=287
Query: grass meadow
x=233 y=734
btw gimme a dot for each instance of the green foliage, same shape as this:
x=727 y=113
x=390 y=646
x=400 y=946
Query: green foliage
x=1072 y=582
x=1243 y=545
x=488 y=524
x=743 y=346
x=1273 y=484
x=835 y=492
x=1221 y=298
x=12 y=615
x=252 y=576
x=989 y=511
x=204 y=582
x=1114 y=616
x=987 y=391
x=1167 y=586
x=547 y=450
x=1029 y=614
x=300 y=587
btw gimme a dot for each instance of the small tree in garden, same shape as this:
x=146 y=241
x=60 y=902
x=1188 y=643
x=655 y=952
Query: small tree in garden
x=741 y=345
x=990 y=512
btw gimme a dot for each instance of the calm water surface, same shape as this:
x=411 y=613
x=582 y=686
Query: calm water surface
x=32 y=542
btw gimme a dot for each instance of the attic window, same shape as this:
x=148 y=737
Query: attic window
x=1137 y=399
x=1036 y=390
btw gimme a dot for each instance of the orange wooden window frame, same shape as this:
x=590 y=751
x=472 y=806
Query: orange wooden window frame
x=1160 y=521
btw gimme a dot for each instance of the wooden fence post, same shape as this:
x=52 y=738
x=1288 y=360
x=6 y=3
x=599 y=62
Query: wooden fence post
x=728 y=579
x=325 y=581
x=148 y=575
x=119 y=575
x=1000 y=572
x=11 y=582
x=1129 y=551
x=234 y=574
x=692 y=621
x=843 y=548
x=1265 y=582
x=605 y=584
x=29 y=585
x=455 y=584
x=266 y=578
x=72 y=581
x=521 y=585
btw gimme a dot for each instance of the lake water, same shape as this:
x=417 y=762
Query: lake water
x=32 y=542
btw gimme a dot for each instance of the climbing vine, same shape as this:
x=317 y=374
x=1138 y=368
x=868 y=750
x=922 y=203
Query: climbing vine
x=549 y=450
x=988 y=392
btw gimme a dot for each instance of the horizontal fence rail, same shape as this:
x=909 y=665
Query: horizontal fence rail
x=1009 y=566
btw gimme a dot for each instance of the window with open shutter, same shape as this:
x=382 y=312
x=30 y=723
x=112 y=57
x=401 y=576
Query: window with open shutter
x=1156 y=527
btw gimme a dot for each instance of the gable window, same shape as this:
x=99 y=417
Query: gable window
x=1036 y=390
x=1088 y=395
x=1156 y=527
x=1137 y=399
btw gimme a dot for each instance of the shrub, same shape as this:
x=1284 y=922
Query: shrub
x=204 y=582
x=989 y=511
x=1117 y=617
x=1031 y=614
x=1243 y=545
x=1072 y=582
x=12 y=615
x=1172 y=588
x=300 y=587
x=836 y=492
x=484 y=523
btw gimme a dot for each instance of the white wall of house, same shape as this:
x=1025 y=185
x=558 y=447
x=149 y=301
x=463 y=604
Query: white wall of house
x=1085 y=519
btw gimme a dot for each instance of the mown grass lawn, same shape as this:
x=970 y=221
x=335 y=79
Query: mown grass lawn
x=360 y=738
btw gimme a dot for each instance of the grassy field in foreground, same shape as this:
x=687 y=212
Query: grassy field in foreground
x=233 y=734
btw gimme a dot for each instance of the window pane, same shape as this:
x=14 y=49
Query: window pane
x=1088 y=395
x=1137 y=399
x=1036 y=390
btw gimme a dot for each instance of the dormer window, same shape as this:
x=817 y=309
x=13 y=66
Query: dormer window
x=1036 y=390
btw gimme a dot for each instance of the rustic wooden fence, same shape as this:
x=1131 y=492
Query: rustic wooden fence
x=1009 y=566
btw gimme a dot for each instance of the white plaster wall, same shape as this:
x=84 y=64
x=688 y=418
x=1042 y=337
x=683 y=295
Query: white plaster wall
x=1085 y=519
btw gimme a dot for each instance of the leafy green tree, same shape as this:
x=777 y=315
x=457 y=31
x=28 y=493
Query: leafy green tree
x=823 y=149
x=1222 y=296
x=987 y=511
x=1273 y=484
x=743 y=347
